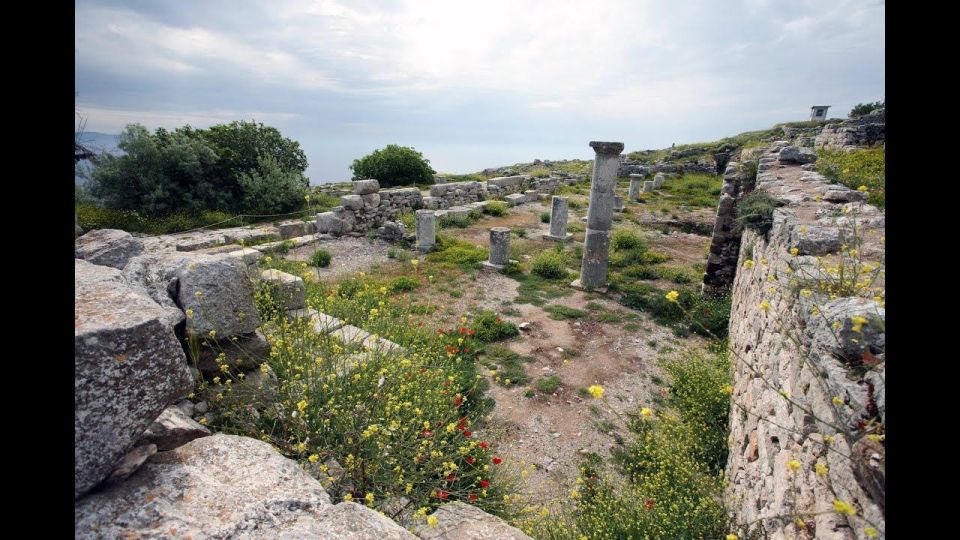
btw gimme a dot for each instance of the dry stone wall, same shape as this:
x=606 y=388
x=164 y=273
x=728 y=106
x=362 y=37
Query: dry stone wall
x=801 y=394
x=867 y=130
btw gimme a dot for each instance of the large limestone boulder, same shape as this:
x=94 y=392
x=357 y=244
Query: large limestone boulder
x=128 y=367
x=219 y=292
x=460 y=521
x=108 y=247
x=225 y=486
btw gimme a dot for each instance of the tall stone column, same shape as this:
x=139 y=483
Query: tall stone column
x=426 y=230
x=499 y=248
x=596 y=249
x=558 y=220
x=635 y=180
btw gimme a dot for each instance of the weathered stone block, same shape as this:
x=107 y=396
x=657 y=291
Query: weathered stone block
x=366 y=187
x=219 y=294
x=128 y=367
x=289 y=289
x=108 y=247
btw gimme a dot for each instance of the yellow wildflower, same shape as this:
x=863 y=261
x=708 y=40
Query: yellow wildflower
x=647 y=413
x=189 y=313
x=863 y=189
x=748 y=264
x=369 y=498
x=302 y=405
x=348 y=497
x=821 y=469
x=870 y=532
x=432 y=520
x=793 y=465
x=672 y=296
x=727 y=389
x=213 y=333
x=844 y=508
x=858 y=323
x=837 y=401
x=732 y=536
x=596 y=391
x=794 y=251
x=764 y=306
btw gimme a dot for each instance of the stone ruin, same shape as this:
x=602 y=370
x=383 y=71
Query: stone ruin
x=144 y=465
x=812 y=367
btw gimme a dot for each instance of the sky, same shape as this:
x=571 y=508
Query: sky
x=474 y=85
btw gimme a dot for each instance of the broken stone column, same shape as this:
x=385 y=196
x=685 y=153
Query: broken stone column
x=499 y=248
x=596 y=249
x=426 y=230
x=558 y=220
x=617 y=204
x=658 y=180
x=648 y=186
x=635 y=180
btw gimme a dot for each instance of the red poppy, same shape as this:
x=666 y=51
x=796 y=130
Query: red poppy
x=451 y=477
x=457 y=401
x=442 y=495
x=470 y=460
x=471 y=332
x=426 y=433
x=466 y=349
x=462 y=331
x=484 y=445
x=420 y=459
x=472 y=496
x=462 y=423
x=484 y=483
x=467 y=433
x=649 y=504
x=497 y=461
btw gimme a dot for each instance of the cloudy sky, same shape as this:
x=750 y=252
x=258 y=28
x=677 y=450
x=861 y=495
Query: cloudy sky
x=475 y=84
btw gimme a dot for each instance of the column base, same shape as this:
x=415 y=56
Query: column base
x=487 y=265
x=565 y=238
x=579 y=286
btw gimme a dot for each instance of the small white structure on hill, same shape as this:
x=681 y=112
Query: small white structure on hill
x=819 y=112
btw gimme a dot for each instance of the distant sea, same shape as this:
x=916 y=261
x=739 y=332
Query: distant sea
x=99 y=143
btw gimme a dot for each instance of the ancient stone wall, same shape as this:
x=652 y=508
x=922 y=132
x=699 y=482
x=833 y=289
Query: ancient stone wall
x=867 y=130
x=456 y=194
x=808 y=394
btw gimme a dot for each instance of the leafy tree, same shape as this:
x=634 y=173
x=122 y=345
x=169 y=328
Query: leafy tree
x=863 y=109
x=271 y=189
x=394 y=166
x=157 y=175
x=236 y=167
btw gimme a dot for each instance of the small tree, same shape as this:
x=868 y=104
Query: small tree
x=394 y=166
x=863 y=109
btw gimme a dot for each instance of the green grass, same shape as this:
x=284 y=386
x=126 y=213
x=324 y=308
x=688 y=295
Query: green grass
x=457 y=252
x=91 y=216
x=550 y=264
x=507 y=364
x=560 y=313
x=538 y=291
x=548 y=385
x=863 y=167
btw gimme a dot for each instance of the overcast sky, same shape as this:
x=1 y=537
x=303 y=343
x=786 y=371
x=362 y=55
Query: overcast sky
x=475 y=84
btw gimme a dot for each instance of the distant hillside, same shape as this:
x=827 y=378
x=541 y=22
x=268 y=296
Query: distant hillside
x=99 y=143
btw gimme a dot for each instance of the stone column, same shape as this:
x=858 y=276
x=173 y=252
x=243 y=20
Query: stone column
x=658 y=180
x=558 y=220
x=426 y=230
x=635 y=180
x=596 y=249
x=617 y=204
x=648 y=186
x=499 y=248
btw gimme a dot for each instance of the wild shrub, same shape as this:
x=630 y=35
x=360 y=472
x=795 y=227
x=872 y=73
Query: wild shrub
x=496 y=208
x=755 y=211
x=320 y=258
x=550 y=264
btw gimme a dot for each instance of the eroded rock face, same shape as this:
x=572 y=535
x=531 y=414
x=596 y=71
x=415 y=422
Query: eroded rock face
x=108 y=247
x=459 y=521
x=128 y=365
x=225 y=300
x=225 y=486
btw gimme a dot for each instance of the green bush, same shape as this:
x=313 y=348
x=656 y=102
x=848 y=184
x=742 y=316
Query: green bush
x=755 y=211
x=320 y=258
x=489 y=327
x=496 y=208
x=394 y=166
x=238 y=167
x=403 y=284
x=550 y=264
x=624 y=239
x=544 y=217
x=863 y=109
